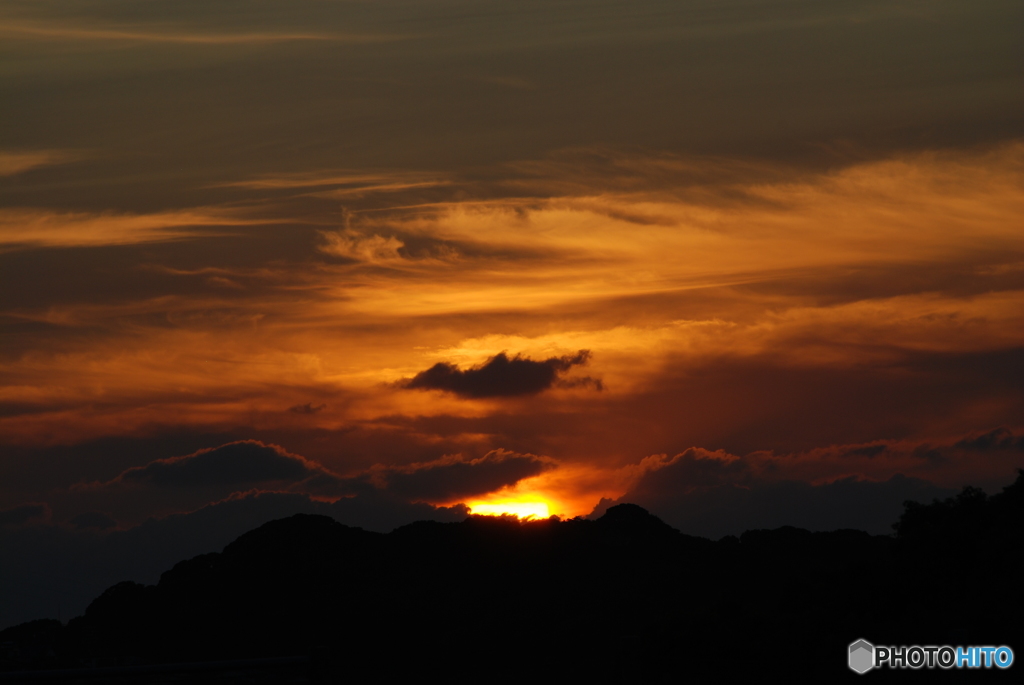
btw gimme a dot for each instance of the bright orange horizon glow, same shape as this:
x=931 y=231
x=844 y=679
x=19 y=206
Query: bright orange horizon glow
x=523 y=510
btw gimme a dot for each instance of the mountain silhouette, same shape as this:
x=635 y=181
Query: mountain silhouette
x=621 y=599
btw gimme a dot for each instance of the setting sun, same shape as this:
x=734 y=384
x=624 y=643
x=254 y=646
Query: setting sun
x=521 y=509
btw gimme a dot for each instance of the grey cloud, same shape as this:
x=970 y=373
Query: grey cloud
x=501 y=376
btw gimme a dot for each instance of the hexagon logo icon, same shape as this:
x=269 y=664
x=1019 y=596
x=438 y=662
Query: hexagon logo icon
x=862 y=656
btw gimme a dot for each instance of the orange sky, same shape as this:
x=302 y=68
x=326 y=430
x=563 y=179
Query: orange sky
x=777 y=248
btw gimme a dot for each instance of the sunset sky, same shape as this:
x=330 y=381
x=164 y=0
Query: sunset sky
x=746 y=263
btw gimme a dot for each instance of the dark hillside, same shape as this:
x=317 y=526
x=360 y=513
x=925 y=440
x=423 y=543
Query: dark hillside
x=625 y=598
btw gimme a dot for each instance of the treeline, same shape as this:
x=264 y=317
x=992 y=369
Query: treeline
x=624 y=598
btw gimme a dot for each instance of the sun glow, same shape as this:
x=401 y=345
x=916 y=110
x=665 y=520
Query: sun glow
x=521 y=509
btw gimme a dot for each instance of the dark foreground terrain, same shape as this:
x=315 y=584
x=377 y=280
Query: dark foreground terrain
x=623 y=599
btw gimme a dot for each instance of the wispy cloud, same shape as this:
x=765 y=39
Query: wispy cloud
x=24 y=228
x=373 y=249
x=341 y=185
x=148 y=35
x=12 y=163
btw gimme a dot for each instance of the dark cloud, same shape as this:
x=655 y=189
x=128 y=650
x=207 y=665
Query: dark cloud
x=500 y=376
x=930 y=454
x=714 y=494
x=186 y=483
x=24 y=513
x=92 y=519
x=865 y=451
x=44 y=468
x=997 y=439
x=307 y=408
x=251 y=462
x=452 y=477
x=236 y=463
